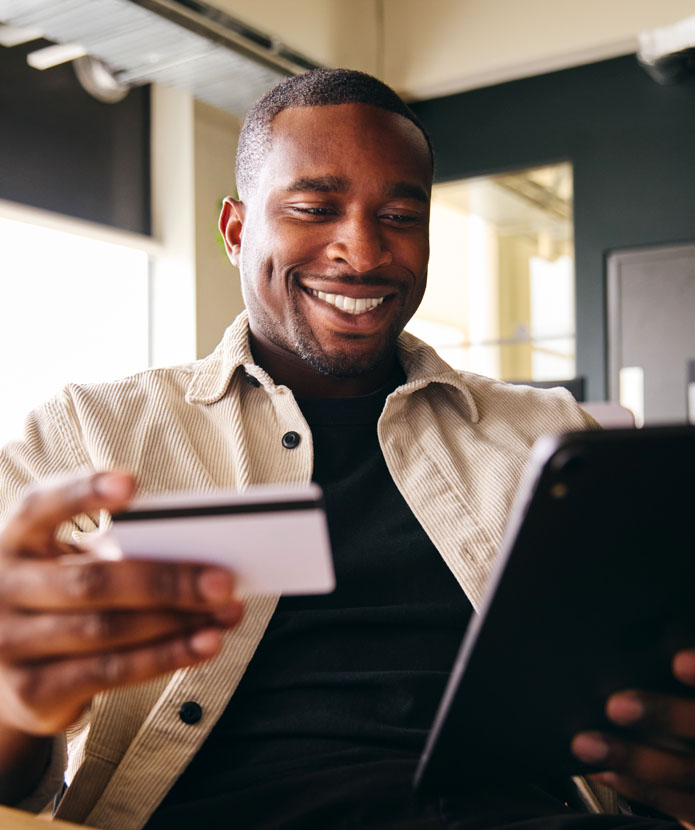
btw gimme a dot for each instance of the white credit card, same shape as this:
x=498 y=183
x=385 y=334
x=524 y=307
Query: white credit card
x=274 y=539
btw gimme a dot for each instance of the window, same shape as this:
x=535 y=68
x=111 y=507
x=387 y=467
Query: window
x=74 y=308
x=500 y=294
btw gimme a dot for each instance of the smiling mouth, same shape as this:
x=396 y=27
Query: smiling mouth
x=351 y=305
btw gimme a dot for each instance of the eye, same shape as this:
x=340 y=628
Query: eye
x=311 y=212
x=401 y=219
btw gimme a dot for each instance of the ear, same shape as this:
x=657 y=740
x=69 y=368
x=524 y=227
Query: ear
x=231 y=223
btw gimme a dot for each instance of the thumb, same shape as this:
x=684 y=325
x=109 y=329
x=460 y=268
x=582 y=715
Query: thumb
x=31 y=529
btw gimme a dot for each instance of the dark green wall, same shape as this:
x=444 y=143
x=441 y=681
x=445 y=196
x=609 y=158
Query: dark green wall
x=632 y=144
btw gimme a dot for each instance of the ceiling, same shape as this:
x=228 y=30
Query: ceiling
x=422 y=50
x=445 y=46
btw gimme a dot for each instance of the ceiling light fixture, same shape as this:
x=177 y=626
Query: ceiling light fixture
x=16 y=35
x=54 y=55
x=668 y=53
x=98 y=80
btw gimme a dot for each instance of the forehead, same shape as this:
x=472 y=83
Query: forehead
x=351 y=141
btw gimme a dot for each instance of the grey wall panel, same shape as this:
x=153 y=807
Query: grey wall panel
x=651 y=324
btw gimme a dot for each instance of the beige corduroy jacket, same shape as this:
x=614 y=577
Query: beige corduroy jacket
x=455 y=443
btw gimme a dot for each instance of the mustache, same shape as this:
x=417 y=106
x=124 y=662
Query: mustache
x=344 y=278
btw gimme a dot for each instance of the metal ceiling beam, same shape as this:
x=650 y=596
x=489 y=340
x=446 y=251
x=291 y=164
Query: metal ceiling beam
x=220 y=27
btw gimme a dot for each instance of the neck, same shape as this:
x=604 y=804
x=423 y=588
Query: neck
x=288 y=369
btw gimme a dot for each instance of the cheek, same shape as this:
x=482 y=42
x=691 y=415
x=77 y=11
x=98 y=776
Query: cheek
x=264 y=283
x=301 y=245
x=256 y=262
x=274 y=247
x=411 y=248
x=422 y=251
x=415 y=257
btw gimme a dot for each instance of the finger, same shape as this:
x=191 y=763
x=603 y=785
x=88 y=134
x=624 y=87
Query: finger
x=112 y=585
x=684 y=666
x=30 y=637
x=31 y=690
x=31 y=529
x=671 y=802
x=658 y=713
x=659 y=767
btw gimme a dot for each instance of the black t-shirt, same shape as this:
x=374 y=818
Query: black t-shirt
x=355 y=675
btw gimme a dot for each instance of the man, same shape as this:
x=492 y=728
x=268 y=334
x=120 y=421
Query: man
x=331 y=697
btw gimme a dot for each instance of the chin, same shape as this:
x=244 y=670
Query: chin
x=344 y=364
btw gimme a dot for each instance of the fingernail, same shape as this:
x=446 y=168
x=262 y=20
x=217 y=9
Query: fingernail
x=216 y=586
x=229 y=615
x=590 y=748
x=113 y=485
x=608 y=778
x=684 y=666
x=625 y=709
x=205 y=643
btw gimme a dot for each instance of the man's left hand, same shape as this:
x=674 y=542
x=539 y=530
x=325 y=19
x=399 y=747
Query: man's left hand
x=663 y=778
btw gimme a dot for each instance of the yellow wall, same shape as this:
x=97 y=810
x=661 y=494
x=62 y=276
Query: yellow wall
x=515 y=303
x=195 y=289
x=218 y=292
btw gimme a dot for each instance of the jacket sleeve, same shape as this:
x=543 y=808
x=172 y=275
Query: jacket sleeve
x=50 y=448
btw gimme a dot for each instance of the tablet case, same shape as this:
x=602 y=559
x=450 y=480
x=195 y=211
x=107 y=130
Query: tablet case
x=594 y=591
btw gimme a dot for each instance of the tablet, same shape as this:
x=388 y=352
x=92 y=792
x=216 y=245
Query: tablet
x=274 y=538
x=593 y=592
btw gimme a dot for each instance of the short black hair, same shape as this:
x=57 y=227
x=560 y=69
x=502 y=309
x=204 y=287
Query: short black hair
x=318 y=88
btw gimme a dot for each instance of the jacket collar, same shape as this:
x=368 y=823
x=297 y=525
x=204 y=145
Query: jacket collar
x=213 y=374
x=422 y=366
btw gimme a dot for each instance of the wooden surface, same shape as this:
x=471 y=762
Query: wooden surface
x=19 y=820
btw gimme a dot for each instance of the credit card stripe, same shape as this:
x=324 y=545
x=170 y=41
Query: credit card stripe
x=214 y=510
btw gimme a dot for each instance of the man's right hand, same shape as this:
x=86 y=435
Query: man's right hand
x=70 y=628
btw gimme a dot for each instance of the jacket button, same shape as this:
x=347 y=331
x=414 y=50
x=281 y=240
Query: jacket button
x=252 y=381
x=190 y=712
x=290 y=440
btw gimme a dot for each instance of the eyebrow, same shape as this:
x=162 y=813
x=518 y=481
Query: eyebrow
x=334 y=184
x=406 y=190
x=320 y=184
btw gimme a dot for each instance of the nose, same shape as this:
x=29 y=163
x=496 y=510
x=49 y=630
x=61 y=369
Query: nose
x=359 y=243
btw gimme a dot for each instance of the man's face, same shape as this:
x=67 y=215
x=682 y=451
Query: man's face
x=333 y=244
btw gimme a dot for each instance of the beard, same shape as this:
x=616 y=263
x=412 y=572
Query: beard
x=341 y=362
x=339 y=359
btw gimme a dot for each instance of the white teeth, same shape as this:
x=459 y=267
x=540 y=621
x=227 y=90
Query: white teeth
x=351 y=305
